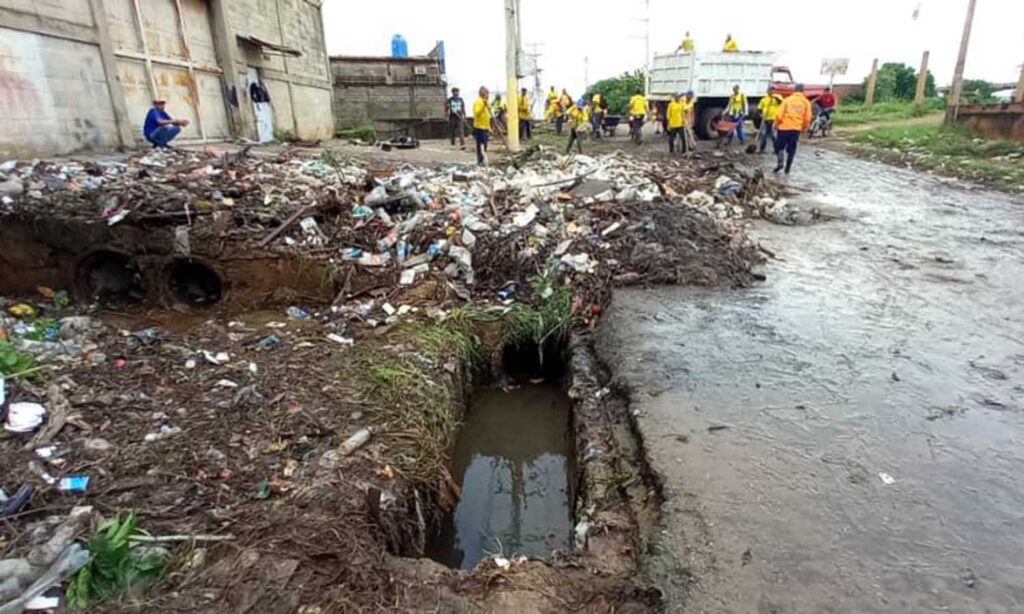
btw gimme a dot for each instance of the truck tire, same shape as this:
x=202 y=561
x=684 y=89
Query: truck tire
x=706 y=120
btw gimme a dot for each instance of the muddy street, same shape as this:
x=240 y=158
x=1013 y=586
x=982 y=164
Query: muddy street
x=846 y=436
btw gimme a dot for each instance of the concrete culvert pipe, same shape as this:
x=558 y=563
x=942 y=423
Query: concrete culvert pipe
x=110 y=278
x=194 y=283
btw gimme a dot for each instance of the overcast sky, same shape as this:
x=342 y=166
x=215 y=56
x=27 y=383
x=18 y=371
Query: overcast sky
x=610 y=34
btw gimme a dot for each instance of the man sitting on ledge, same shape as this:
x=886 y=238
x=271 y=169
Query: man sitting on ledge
x=159 y=128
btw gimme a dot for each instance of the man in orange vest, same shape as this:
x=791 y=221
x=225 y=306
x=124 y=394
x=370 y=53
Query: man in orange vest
x=793 y=117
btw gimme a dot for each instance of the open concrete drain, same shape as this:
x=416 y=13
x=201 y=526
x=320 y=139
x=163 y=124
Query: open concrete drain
x=514 y=462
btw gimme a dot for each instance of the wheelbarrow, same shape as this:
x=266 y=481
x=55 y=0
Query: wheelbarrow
x=610 y=124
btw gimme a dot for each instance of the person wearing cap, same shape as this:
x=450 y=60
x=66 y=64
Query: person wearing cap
x=769 y=107
x=793 y=117
x=596 y=113
x=689 y=118
x=456 y=110
x=160 y=129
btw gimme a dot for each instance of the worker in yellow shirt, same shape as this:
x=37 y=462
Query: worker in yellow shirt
x=638 y=110
x=552 y=95
x=481 y=125
x=577 y=118
x=687 y=45
x=556 y=115
x=769 y=107
x=676 y=121
x=793 y=117
x=730 y=46
x=525 y=118
x=737 y=112
x=596 y=113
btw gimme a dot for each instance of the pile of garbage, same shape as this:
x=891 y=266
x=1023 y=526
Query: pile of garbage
x=476 y=230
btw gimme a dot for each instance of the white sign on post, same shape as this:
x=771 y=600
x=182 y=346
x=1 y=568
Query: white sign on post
x=834 y=66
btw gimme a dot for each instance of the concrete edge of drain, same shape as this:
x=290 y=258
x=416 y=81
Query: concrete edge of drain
x=622 y=513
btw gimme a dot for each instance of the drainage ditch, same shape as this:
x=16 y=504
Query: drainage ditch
x=513 y=461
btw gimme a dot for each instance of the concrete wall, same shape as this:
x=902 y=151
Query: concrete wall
x=387 y=92
x=994 y=121
x=74 y=76
x=53 y=86
x=299 y=87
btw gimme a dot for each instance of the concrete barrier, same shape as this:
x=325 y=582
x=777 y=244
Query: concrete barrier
x=994 y=121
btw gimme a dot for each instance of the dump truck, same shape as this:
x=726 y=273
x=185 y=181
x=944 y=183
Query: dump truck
x=712 y=75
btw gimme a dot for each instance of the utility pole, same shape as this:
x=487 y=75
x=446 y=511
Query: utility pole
x=512 y=72
x=953 y=104
x=869 y=96
x=922 y=81
x=1019 y=97
x=586 y=74
x=647 y=48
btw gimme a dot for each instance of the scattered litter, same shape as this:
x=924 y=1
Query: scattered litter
x=24 y=417
x=887 y=479
x=340 y=340
x=219 y=358
x=298 y=313
x=226 y=383
x=356 y=441
x=73 y=484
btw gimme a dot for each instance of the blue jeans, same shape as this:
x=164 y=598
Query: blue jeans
x=785 y=148
x=766 y=135
x=739 y=127
x=163 y=135
x=481 y=137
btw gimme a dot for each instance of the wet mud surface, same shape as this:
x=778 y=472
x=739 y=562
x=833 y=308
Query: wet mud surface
x=513 y=461
x=846 y=436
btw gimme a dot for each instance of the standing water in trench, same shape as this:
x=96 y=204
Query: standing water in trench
x=513 y=460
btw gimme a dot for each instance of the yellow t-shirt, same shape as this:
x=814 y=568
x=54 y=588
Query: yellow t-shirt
x=577 y=117
x=595 y=102
x=524 y=107
x=481 y=115
x=675 y=114
x=552 y=96
x=731 y=45
x=687 y=45
x=737 y=104
x=769 y=106
x=638 y=105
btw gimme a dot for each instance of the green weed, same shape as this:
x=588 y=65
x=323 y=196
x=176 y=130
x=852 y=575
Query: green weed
x=115 y=567
x=13 y=361
x=551 y=317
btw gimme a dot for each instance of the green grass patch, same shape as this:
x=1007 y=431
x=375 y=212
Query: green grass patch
x=951 y=150
x=550 y=316
x=363 y=132
x=855 y=115
x=404 y=382
x=115 y=566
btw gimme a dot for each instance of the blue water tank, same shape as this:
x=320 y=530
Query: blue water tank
x=399 y=48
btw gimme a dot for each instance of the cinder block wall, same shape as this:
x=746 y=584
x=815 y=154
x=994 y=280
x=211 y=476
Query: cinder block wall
x=385 y=91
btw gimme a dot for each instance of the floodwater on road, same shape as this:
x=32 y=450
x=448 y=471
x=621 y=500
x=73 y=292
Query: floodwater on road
x=847 y=436
x=513 y=461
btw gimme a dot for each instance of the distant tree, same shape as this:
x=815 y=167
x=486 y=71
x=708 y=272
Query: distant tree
x=899 y=82
x=978 y=91
x=618 y=90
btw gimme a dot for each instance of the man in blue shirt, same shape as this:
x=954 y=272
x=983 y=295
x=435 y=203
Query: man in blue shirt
x=159 y=128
